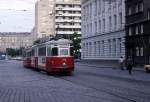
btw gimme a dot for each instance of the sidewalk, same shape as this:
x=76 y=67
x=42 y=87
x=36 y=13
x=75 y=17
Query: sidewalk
x=138 y=73
x=107 y=64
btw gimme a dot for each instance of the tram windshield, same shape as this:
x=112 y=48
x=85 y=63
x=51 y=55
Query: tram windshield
x=64 y=51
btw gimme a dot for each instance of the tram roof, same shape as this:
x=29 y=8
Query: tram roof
x=55 y=42
x=59 y=41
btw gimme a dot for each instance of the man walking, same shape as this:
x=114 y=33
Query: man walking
x=129 y=65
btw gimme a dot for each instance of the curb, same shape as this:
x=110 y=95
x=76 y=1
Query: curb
x=113 y=67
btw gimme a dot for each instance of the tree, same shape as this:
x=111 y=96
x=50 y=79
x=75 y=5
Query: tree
x=11 y=52
x=14 y=52
x=76 y=39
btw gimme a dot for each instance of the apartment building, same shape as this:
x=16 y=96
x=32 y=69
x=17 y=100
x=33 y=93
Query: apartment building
x=103 y=31
x=58 y=17
x=67 y=17
x=137 y=31
x=44 y=18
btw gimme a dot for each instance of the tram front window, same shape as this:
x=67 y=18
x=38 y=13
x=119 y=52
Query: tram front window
x=64 y=52
x=55 y=51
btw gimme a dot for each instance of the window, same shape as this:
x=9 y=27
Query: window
x=141 y=51
x=120 y=45
x=99 y=25
x=33 y=52
x=48 y=51
x=137 y=30
x=99 y=46
x=110 y=23
x=115 y=21
x=103 y=25
x=129 y=11
x=90 y=49
x=130 y=31
x=71 y=51
x=137 y=51
x=120 y=18
x=149 y=39
x=95 y=48
x=109 y=45
x=42 y=51
x=136 y=8
x=141 y=28
x=141 y=6
x=148 y=15
x=63 y=51
x=114 y=47
x=55 y=51
x=95 y=7
x=95 y=27
x=103 y=47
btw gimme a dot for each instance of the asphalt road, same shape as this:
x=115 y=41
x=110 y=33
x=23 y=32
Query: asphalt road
x=87 y=84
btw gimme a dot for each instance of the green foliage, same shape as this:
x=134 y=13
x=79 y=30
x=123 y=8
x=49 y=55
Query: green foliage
x=14 y=52
x=76 y=39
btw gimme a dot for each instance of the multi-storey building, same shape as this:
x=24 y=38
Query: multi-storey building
x=137 y=31
x=14 y=40
x=67 y=17
x=103 y=31
x=61 y=17
x=44 y=20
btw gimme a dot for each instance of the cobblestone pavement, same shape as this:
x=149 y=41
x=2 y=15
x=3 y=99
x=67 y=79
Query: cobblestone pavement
x=18 y=84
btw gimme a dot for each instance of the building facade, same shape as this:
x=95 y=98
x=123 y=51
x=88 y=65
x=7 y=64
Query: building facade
x=137 y=31
x=61 y=17
x=44 y=20
x=103 y=31
x=67 y=17
x=14 y=40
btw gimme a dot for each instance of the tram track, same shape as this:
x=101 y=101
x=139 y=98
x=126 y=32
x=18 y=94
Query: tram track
x=96 y=89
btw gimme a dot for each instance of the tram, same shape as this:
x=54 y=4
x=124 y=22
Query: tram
x=51 y=56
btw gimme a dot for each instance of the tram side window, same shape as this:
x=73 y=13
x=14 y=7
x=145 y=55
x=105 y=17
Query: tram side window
x=42 y=51
x=55 y=51
x=71 y=51
x=33 y=52
x=48 y=51
x=28 y=54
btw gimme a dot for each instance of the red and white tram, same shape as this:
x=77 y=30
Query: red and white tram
x=51 y=56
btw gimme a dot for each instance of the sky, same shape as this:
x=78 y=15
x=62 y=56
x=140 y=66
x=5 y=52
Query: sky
x=17 y=15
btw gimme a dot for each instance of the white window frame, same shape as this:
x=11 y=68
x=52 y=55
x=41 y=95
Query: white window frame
x=141 y=7
x=142 y=29
x=130 y=31
x=141 y=51
x=137 y=51
x=137 y=8
x=129 y=11
x=137 y=30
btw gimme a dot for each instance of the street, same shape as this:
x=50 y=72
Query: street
x=87 y=84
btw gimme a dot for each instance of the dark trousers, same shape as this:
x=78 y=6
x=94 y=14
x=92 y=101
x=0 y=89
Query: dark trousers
x=129 y=68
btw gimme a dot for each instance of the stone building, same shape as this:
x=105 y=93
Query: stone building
x=14 y=40
x=137 y=31
x=103 y=31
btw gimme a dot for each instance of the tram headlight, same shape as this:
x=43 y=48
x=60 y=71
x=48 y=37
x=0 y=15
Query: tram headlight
x=64 y=64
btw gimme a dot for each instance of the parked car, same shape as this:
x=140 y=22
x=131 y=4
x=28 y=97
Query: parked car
x=147 y=68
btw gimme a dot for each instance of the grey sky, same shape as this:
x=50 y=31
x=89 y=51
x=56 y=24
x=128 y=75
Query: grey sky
x=16 y=15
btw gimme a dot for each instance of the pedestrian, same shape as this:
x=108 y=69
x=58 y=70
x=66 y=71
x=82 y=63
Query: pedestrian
x=121 y=61
x=129 y=65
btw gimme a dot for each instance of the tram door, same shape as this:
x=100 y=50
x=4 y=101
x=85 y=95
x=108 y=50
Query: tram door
x=42 y=57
